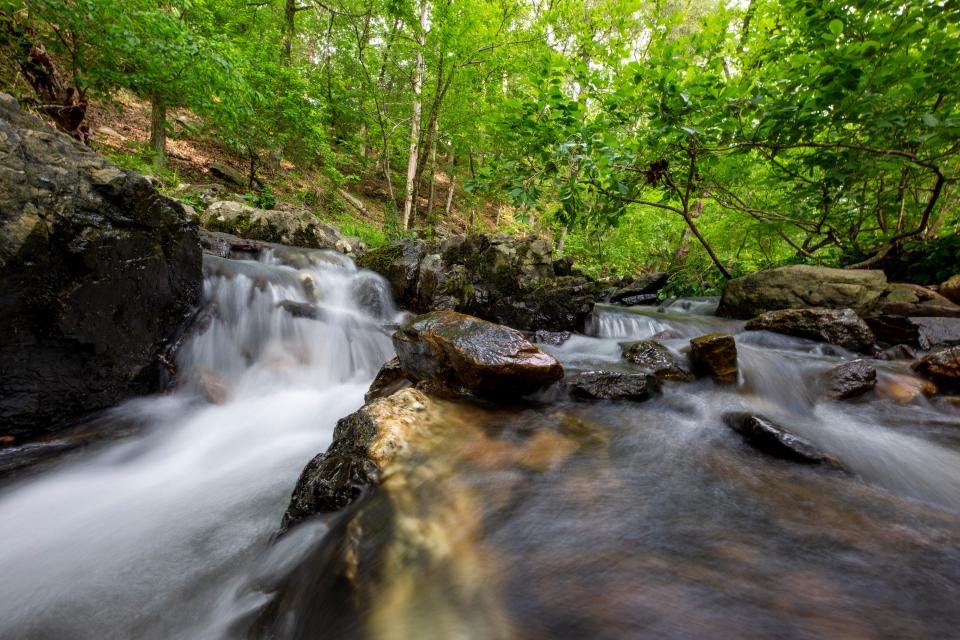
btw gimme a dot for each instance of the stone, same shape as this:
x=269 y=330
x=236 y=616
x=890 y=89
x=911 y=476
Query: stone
x=918 y=332
x=941 y=367
x=389 y=380
x=455 y=351
x=714 y=355
x=552 y=338
x=852 y=379
x=228 y=174
x=294 y=227
x=767 y=436
x=897 y=352
x=907 y=299
x=903 y=388
x=612 y=385
x=802 y=286
x=503 y=279
x=951 y=289
x=643 y=290
x=364 y=443
x=97 y=272
x=657 y=359
x=211 y=386
x=841 y=327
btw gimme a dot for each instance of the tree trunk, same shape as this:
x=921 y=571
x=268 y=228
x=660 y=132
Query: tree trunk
x=158 y=130
x=433 y=173
x=408 y=203
x=563 y=241
x=363 y=139
x=453 y=186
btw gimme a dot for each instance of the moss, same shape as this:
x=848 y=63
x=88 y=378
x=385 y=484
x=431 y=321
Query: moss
x=381 y=259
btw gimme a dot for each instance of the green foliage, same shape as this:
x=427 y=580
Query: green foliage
x=262 y=199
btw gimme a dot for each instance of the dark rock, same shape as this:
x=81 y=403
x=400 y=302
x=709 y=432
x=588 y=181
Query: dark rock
x=563 y=266
x=503 y=279
x=942 y=367
x=770 y=438
x=301 y=309
x=801 y=286
x=642 y=290
x=363 y=444
x=897 y=352
x=389 y=380
x=714 y=355
x=657 y=359
x=226 y=245
x=97 y=270
x=552 y=338
x=841 y=327
x=227 y=174
x=458 y=351
x=612 y=385
x=920 y=333
x=852 y=379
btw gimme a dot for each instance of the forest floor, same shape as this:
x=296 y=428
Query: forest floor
x=121 y=131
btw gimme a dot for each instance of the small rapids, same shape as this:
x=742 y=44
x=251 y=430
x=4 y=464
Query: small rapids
x=546 y=519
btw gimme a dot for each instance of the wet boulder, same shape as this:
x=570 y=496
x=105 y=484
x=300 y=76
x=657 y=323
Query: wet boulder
x=852 y=379
x=802 y=286
x=364 y=443
x=97 y=271
x=457 y=351
x=389 y=380
x=657 y=359
x=841 y=327
x=289 y=226
x=714 y=355
x=941 y=367
x=642 y=290
x=612 y=385
x=918 y=332
x=767 y=436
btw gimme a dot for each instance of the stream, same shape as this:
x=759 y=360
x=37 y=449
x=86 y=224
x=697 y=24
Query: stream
x=545 y=519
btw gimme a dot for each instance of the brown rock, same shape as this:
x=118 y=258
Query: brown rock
x=903 y=388
x=657 y=359
x=714 y=355
x=951 y=289
x=941 y=367
x=460 y=351
x=389 y=380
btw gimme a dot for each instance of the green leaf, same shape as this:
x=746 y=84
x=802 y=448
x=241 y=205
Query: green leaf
x=836 y=27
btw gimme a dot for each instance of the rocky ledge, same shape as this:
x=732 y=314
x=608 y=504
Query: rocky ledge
x=97 y=270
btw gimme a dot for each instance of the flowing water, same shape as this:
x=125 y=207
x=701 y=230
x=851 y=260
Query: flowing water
x=545 y=519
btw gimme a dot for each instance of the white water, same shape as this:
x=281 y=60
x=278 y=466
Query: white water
x=145 y=538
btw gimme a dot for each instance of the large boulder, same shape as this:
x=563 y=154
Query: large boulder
x=842 y=327
x=942 y=367
x=290 y=226
x=364 y=443
x=503 y=279
x=455 y=351
x=801 y=286
x=96 y=271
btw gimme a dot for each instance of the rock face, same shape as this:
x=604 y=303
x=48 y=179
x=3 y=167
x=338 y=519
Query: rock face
x=801 y=286
x=920 y=333
x=364 y=443
x=657 y=359
x=714 y=355
x=453 y=350
x=296 y=227
x=511 y=281
x=852 y=379
x=942 y=367
x=842 y=327
x=643 y=290
x=612 y=385
x=96 y=271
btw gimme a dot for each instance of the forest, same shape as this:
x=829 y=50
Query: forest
x=708 y=139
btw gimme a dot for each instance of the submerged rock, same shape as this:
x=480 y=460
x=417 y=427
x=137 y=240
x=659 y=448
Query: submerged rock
x=841 y=327
x=503 y=279
x=364 y=443
x=941 y=367
x=903 y=388
x=389 y=380
x=453 y=350
x=97 y=270
x=612 y=385
x=852 y=379
x=657 y=359
x=801 y=286
x=714 y=355
x=769 y=437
